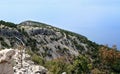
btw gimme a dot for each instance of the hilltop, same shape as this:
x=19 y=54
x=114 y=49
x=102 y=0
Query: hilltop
x=59 y=50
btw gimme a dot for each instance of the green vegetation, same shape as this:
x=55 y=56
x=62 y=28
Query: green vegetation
x=97 y=59
x=1 y=38
x=37 y=24
x=80 y=65
x=23 y=32
x=36 y=58
x=109 y=63
x=56 y=66
x=3 y=43
x=110 y=58
x=32 y=43
x=9 y=24
x=116 y=66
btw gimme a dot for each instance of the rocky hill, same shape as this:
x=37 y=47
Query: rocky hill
x=47 y=41
x=53 y=48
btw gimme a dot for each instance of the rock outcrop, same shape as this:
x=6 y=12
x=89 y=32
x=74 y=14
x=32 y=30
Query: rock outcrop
x=10 y=64
x=28 y=66
x=6 y=61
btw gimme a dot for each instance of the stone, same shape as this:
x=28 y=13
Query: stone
x=38 y=69
x=6 y=68
x=64 y=73
x=6 y=61
x=10 y=63
x=28 y=65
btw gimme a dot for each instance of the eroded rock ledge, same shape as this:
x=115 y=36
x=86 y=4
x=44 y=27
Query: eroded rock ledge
x=10 y=63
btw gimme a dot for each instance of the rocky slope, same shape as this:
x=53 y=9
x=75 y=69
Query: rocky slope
x=12 y=57
x=47 y=41
x=26 y=66
x=58 y=50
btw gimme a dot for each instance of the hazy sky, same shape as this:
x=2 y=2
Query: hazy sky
x=98 y=20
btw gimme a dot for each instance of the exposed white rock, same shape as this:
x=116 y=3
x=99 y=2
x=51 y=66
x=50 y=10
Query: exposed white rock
x=6 y=61
x=64 y=73
x=28 y=66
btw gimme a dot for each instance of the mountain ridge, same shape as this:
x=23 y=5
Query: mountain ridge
x=48 y=43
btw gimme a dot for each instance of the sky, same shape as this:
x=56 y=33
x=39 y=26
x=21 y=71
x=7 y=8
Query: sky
x=98 y=20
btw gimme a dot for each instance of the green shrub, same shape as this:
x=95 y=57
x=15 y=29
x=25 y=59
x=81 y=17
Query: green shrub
x=57 y=66
x=5 y=44
x=80 y=65
x=37 y=59
x=1 y=39
x=116 y=66
x=9 y=24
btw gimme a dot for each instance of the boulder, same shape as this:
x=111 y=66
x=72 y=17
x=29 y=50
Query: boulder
x=38 y=69
x=6 y=61
x=64 y=73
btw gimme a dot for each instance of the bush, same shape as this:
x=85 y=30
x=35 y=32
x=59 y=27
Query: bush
x=1 y=39
x=5 y=44
x=56 y=66
x=116 y=66
x=80 y=66
x=9 y=24
x=37 y=59
x=96 y=71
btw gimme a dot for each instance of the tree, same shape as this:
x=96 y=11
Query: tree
x=80 y=65
x=111 y=58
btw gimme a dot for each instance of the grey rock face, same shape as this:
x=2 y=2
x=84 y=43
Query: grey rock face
x=50 y=42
